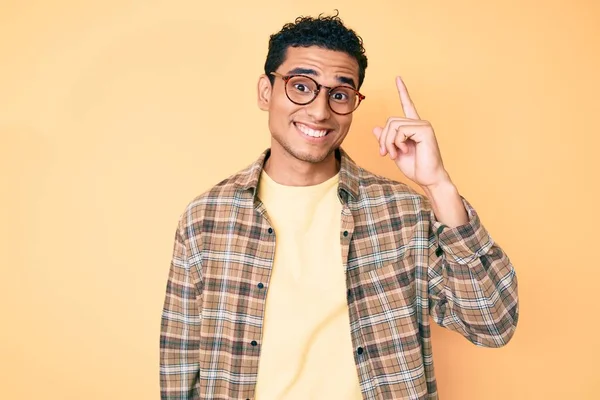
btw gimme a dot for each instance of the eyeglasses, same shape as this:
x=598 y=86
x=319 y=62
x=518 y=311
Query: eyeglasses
x=303 y=90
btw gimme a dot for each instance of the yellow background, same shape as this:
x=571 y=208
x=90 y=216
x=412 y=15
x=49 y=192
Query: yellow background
x=114 y=114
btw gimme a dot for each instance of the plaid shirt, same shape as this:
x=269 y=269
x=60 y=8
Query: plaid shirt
x=402 y=266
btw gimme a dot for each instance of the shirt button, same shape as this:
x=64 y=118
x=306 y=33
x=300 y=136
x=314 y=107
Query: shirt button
x=260 y=285
x=253 y=343
x=345 y=233
x=360 y=350
x=270 y=230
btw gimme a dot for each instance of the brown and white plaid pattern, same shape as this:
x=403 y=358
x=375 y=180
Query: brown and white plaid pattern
x=401 y=267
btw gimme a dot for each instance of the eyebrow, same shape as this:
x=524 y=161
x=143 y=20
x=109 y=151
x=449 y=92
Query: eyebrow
x=309 y=71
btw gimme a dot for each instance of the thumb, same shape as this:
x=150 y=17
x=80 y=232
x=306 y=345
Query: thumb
x=377 y=131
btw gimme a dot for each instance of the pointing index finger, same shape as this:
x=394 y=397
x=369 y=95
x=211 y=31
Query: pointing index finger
x=407 y=105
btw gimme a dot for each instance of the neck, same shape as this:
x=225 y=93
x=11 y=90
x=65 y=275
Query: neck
x=287 y=170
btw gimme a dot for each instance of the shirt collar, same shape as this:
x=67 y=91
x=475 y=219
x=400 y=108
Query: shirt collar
x=248 y=178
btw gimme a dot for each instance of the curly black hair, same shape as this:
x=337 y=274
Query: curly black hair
x=325 y=32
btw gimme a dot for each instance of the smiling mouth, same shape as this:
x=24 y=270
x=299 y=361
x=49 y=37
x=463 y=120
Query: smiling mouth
x=316 y=133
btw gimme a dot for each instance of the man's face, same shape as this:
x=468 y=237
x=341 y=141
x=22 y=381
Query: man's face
x=297 y=129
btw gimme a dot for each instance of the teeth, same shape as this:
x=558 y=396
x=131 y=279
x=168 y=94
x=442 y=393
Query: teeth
x=311 y=132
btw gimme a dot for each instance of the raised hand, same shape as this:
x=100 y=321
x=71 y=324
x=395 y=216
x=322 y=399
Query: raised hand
x=411 y=144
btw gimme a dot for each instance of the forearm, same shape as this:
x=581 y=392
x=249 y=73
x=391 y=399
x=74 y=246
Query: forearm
x=478 y=301
x=180 y=329
x=179 y=343
x=472 y=283
x=179 y=364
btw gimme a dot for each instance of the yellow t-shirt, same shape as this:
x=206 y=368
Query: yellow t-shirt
x=306 y=347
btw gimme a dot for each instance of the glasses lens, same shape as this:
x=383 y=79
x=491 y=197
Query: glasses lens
x=301 y=89
x=343 y=100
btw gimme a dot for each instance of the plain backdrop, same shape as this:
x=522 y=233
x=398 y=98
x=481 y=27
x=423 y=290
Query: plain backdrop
x=115 y=114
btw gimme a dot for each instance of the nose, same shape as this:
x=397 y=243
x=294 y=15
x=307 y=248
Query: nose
x=318 y=109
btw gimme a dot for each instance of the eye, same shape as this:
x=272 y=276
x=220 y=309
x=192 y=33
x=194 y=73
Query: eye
x=341 y=95
x=301 y=87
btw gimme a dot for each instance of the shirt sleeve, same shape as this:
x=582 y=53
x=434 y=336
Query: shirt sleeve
x=180 y=328
x=472 y=282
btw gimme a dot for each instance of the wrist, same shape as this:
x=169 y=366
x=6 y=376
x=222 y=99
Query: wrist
x=442 y=186
x=446 y=203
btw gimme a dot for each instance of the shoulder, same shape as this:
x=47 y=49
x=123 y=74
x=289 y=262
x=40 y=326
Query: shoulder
x=218 y=199
x=220 y=194
x=377 y=189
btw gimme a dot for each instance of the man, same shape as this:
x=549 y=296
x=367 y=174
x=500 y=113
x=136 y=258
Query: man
x=305 y=276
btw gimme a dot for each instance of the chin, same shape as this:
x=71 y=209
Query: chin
x=313 y=157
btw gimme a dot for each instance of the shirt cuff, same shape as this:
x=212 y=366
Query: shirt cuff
x=464 y=243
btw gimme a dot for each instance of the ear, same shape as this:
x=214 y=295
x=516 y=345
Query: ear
x=264 y=92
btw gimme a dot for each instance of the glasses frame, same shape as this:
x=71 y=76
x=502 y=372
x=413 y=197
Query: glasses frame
x=316 y=92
